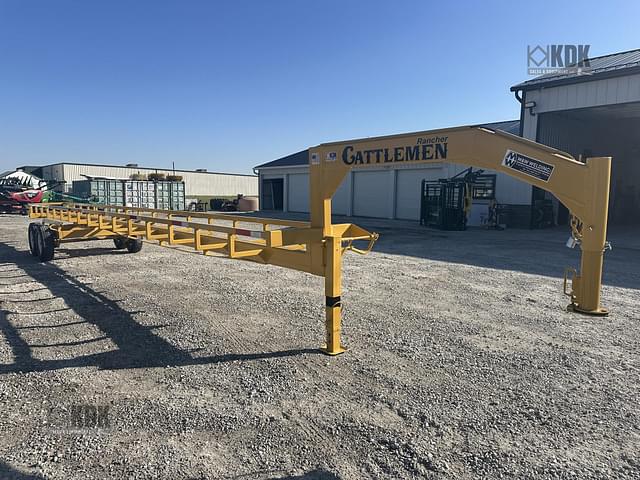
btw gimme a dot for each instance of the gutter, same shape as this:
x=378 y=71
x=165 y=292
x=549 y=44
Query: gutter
x=587 y=77
x=279 y=167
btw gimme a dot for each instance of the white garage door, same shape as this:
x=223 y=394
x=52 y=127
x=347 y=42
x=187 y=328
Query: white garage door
x=340 y=201
x=408 y=194
x=408 y=184
x=371 y=194
x=298 y=193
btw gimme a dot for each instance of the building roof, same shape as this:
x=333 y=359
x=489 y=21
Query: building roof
x=146 y=168
x=298 y=158
x=612 y=65
x=508 y=126
x=302 y=157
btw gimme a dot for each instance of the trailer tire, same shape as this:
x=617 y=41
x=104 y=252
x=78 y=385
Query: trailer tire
x=46 y=243
x=33 y=239
x=120 y=242
x=134 y=245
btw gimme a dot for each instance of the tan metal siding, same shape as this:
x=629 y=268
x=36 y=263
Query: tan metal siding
x=196 y=183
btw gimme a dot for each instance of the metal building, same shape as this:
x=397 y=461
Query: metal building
x=198 y=183
x=591 y=112
x=391 y=191
x=586 y=112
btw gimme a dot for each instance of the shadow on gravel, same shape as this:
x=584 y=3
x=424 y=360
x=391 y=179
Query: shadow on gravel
x=318 y=474
x=9 y=473
x=533 y=252
x=137 y=345
x=537 y=252
x=87 y=252
x=314 y=475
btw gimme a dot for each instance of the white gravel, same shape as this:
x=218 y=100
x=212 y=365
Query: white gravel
x=462 y=363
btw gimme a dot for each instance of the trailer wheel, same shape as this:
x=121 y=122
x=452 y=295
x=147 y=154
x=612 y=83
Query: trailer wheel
x=46 y=243
x=120 y=242
x=33 y=239
x=134 y=245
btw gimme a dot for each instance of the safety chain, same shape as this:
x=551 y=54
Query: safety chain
x=576 y=232
x=576 y=228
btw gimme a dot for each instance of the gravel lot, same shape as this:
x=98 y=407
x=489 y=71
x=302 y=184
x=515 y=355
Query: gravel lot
x=462 y=363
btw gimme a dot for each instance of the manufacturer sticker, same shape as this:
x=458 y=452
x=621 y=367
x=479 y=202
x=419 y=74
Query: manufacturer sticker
x=331 y=156
x=527 y=165
x=315 y=159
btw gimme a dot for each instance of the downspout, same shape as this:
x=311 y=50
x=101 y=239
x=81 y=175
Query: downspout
x=257 y=172
x=521 y=100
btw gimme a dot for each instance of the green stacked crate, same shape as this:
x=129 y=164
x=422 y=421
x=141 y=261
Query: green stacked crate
x=131 y=198
x=177 y=196
x=148 y=195
x=106 y=192
x=115 y=192
x=98 y=190
x=140 y=194
x=163 y=195
x=170 y=195
x=133 y=193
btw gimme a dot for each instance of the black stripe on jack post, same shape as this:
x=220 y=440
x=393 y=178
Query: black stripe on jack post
x=333 y=302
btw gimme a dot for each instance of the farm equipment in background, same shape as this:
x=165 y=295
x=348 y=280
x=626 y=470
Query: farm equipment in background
x=225 y=204
x=19 y=189
x=446 y=203
x=198 y=206
x=16 y=202
x=240 y=203
x=498 y=215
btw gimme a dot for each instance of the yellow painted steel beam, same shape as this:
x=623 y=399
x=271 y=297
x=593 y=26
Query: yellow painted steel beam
x=582 y=187
x=162 y=226
x=185 y=214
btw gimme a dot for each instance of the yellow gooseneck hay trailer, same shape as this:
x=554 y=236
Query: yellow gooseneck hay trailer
x=317 y=246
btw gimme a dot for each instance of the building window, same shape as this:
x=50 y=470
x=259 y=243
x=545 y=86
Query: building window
x=484 y=187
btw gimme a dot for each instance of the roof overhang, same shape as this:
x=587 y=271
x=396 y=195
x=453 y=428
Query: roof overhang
x=281 y=167
x=547 y=83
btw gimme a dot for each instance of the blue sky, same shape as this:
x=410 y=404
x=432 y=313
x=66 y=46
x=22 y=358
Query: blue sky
x=227 y=86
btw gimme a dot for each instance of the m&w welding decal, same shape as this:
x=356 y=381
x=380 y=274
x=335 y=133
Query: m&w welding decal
x=527 y=165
